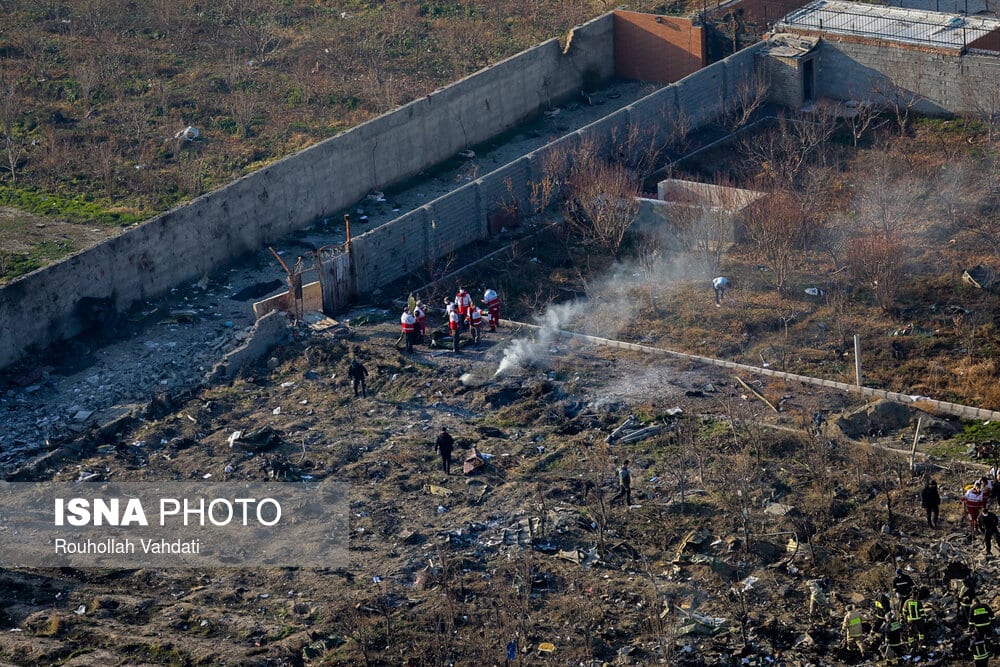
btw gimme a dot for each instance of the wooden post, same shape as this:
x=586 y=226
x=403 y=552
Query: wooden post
x=916 y=438
x=857 y=359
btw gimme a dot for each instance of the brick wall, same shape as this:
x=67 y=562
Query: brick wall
x=661 y=49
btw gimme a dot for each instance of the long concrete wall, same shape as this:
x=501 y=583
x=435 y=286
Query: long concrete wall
x=440 y=227
x=946 y=83
x=41 y=308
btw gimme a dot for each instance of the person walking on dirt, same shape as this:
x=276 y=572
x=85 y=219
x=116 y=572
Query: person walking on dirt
x=357 y=372
x=491 y=301
x=624 y=484
x=930 y=500
x=444 y=445
x=475 y=317
x=719 y=285
x=409 y=325
x=455 y=327
x=990 y=525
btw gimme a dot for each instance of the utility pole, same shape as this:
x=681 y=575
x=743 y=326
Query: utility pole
x=857 y=359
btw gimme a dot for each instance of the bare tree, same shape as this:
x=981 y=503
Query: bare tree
x=859 y=117
x=983 y=100
x=544 y=191
x=639 y=148
x=876 y=262
x=775 y=229
x=257 y=22
x=900 y=98
x=12 y=107
x=601 y=202
x=89 y=74
x=749 y=95
x=782 y=154
x=888 y=192
x=704 y=233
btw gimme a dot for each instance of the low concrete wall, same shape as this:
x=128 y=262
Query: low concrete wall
x=183 y=244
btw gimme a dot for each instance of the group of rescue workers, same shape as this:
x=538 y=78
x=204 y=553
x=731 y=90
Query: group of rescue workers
x=461 y=314
x=902 y=621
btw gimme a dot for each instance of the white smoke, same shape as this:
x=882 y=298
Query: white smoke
x=524 y=351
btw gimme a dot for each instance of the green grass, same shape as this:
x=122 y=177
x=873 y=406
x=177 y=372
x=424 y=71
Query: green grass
x=949 y=450
x=979 y=432
x=16 y=264
x=78 y=209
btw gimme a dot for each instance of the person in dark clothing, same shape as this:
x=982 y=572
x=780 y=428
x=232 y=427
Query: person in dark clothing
x=903 y=585
x=624 y=484
x=930 y=500
x=357 y=372
x=990 y=526
x=980 y=650
x=444 y=446
x=966 y=596
x=980 y=619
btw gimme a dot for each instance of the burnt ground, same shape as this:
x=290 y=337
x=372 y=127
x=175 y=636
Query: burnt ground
x=530 y=549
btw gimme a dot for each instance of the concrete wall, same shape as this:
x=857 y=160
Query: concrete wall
x=661 y=49
x=458 y=218
x=183 y=244
x=945 y=82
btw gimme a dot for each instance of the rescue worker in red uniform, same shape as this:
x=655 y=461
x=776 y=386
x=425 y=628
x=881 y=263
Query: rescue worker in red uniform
x=463 y=302
x=409 y=325
x=475 y=322
x=455 y=326
x=491 y=301
x=421 y=317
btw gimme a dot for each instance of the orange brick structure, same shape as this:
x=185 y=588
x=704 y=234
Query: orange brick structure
x=660 y=49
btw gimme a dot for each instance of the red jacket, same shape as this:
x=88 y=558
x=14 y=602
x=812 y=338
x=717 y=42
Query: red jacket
x=454 y=321
x=463 y=302
x=407 y=321
x=475 y=317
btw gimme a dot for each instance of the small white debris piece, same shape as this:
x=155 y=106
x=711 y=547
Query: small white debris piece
x=81 y=610
x=189 y=133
